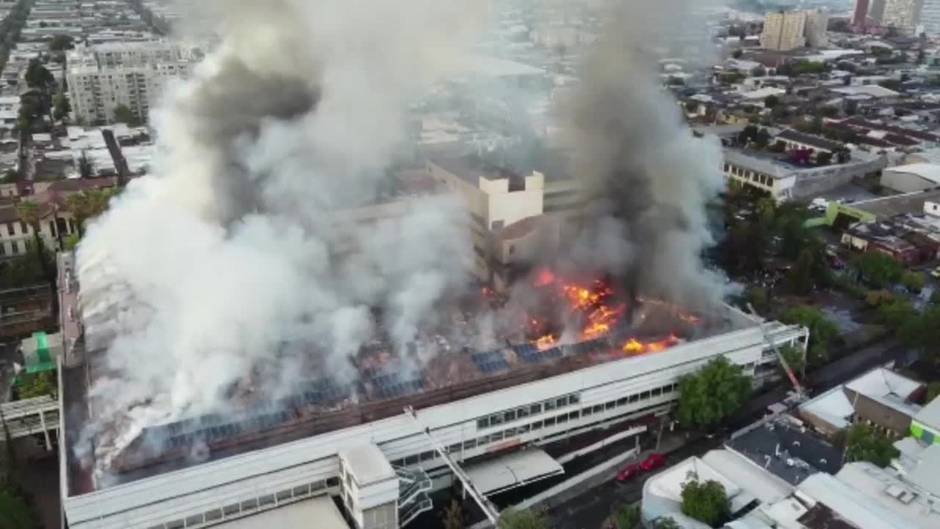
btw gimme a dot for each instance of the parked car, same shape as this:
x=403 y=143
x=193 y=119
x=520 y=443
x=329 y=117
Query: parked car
x=629 y=472
x=653 y=462
x=936 y=272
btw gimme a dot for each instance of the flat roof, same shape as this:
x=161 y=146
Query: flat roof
x=929 y=415
x=508 y=471
x=927 y=171
x=315 y=513
x=368 y=464
x=787 y=451
x=850 y=504
x=832 y=406
x=893 y=206
x=888 y=388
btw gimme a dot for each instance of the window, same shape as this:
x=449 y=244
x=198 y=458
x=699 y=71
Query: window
x=266 y=501
x=609 y=405
x=657 y=392
x=537 y=425
x=498 y=436
x=562 y=419
x=214 y=514
x=427 y=456
x=250 y=505
x=470 y=443
x=232 y=509
x=524 y=428
x=573 y=415
x=175 y=524
x=303 y=490
x=454 y=448
x=483 y=423
x=194 y=520
x=645 y=395
x=549 y=406
x=622 y=401
x=284 y=495
x=573 y=399
x=585 y=412
x=599 y=408
x=332 y=482
x=535 y=409
x=522 y=413
x=561 y=402
x=549 y=422
x=635 y=397
x=509 y=415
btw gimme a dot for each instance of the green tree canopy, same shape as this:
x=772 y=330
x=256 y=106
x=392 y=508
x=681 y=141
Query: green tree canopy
x=37 y=76
x=61 y=43
x=822 y=332
x=123 y=114
x=88 y=204
x=15 y=513
x=37 y=385
x=705 y=501
x=877 y=269
x=61 y=106
x=525 y=519
x=712 y=394
x=913 y=281
x=627 y=517
x=865 y=443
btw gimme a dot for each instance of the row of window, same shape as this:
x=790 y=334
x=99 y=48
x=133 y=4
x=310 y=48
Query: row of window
x=516 y=414
x=251 y=506
x=752 y=176
x=548 y=422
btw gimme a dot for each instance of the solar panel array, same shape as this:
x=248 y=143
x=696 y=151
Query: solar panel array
x=490 y=362
x=392 y=385
x=253 y=423
x=316 y=393
x=531 y=354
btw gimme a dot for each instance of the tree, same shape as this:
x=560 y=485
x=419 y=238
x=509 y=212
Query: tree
x=771 y=101
x=865 y=443
x=737 y=53
x=712 y=394
x=37 y=76
x=762 y=138
x=822 y=332
x=778 y=147
x=877 y=269
x=61 y=106
x=913 y=281
x=800 y=278
x=706 y=502
x=61 y=43
x=627 y=517
x=823 y=158
x=933 y=391
x=123 y=114
x=525 y=519
x=87 y=205
x=37 y=385
x=15 y=512
x=30 y=213
x=452 y=517
x=897 y=313
x=794 y=357
x=760 y=71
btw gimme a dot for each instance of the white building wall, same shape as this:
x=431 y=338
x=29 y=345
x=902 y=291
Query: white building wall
x=930 y=17
x=902 y=14
x=190 y=493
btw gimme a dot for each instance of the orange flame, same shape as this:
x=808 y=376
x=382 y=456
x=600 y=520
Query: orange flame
x=546 y=342
x=544 y=278
x=634 y=346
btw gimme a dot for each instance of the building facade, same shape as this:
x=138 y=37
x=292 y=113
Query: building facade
x=528 y=415
x=930 y=17
x=102 y=78
x=903 y=15
x=784 y=31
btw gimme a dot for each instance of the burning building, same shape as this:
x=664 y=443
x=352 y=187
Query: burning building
x=583 y=361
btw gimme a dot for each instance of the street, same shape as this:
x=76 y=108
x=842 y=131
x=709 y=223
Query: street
x=589 y=509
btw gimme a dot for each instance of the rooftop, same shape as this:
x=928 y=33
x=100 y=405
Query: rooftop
x=892 y=206
x=809 y=139
x=888 y=388
x=786 y=449
x=927 y=171
x=929 y=415
x=368 y=464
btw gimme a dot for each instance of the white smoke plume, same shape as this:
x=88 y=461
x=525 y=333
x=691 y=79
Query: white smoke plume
x=227 y=262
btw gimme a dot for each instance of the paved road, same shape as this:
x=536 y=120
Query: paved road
x=590 y=509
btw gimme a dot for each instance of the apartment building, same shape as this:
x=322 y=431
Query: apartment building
x=902 y=14
x=784 y=31
x=930 y=17
x=104 y=77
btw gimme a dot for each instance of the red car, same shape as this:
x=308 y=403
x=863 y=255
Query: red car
x=653 y=462
x=649 y=464
x=629 y=472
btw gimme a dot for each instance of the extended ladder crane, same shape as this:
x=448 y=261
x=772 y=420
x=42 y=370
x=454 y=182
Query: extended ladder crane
x=794 y=381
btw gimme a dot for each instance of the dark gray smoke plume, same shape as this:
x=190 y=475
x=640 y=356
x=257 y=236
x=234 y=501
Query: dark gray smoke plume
x=647 y=178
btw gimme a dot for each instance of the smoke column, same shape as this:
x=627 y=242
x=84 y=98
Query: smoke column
x=226 y=266
x=647 y=178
